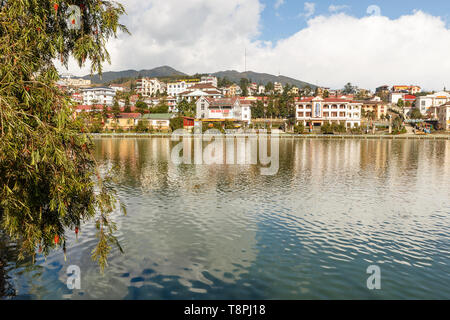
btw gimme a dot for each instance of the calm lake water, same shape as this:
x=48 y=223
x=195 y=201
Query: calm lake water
x=227 y=232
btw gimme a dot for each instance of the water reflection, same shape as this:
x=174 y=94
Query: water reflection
x=310 y=231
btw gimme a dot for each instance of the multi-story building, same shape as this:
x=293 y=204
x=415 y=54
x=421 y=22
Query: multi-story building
x=278 y=87
x=261 y=89
x=252 y=89
x=196 y=91
x=209 y=80
x=232 y=91
x=406 y=89
x=294 y=91
x=98 y=95
x=315 y=111
x=70 y=81
x=150 y=87
x=382 y=90
x=174 y=89
x=223 y=109
x=443 y=114
x=424 y=103
x=394 y=97
x=378 y=107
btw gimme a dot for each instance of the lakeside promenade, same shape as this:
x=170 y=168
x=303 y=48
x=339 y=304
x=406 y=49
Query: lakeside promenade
x=293 y=136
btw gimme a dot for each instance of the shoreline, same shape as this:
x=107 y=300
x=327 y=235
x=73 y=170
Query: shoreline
x=289 y=136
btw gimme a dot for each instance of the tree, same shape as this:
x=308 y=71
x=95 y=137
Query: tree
x=46 y=159
x=141 y=107
x=115 y=109
x=269 y=87
x=161 y=107
x=257 y=109
x=244 y=86
x=186 y=109
x=348 y=89
x=416 y=114
x=176 y=123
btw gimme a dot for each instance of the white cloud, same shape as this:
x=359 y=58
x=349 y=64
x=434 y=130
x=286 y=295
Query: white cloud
x=278 y=4
x=336 y=8
x=309 y=8
x=201 y=36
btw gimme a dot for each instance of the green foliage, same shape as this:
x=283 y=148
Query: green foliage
x=326 y=128
x=141 y=107
x=415 y=114
x=161 y=107
x=258 y=110
x=224 y=82
x=299 y=129
x=46 y=165
x=176 y=123
x=244 y=86
x=186 y=109
x=142 y=126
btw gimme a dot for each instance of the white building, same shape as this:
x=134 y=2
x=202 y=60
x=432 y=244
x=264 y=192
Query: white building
x=150 y=87
x=197 y=94
x=223 y=109
x=437 y=99
x=444 y=116
x=278 y=87
x=209 y=80
x=100 y=95
x=315 y=111
x=394 y=97
x=261 y=89
x=174 y=89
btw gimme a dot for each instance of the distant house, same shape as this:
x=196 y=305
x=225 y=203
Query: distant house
x=443 y=114
x=124 y=121
x=406 y=89
x=188 y=123
x=201 y=90
x=158 y=120
x=223 y=109
x=98 y=95
x=147 y=87
x=424 y=103
x=378 y=107
x=315 y=111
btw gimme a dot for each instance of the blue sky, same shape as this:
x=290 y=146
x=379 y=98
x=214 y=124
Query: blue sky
x=408 y=43
x=286 y=20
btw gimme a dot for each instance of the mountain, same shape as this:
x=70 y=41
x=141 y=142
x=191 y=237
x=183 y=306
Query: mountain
x=263 y=78
x=166 y=72
x=160 y=72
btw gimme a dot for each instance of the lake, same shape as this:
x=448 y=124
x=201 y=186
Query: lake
x=225 y=231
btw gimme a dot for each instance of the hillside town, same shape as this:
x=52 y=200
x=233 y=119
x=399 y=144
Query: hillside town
x=154 y=105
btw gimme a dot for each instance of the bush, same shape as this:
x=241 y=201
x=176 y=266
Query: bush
x=176 y=123
x=299 y=129
x=326 y=128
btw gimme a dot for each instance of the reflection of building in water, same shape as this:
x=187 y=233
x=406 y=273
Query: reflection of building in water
x=321 y=157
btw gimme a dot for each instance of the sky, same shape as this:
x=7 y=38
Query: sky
x=327 y=43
